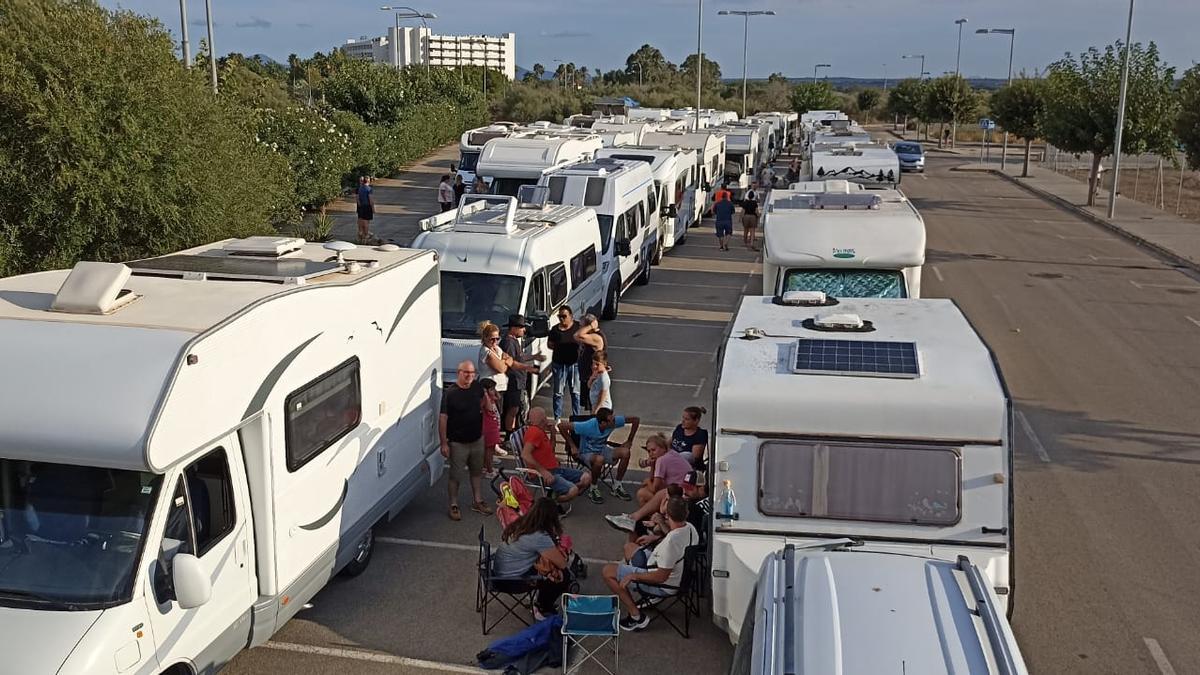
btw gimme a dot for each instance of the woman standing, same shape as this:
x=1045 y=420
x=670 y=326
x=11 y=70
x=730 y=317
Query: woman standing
x=460 y=189
x=492 y=364
x=749 y=219
x=529 y=547
x=591 y=340
x=600 y=384
x=688 y=439
x=366 y=209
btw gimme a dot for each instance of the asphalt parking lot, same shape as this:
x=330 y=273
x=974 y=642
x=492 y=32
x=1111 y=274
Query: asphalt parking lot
x=412 y=611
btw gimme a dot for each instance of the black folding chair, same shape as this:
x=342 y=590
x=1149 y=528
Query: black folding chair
x=516 y=596
x=686 y=593
x=608 y=476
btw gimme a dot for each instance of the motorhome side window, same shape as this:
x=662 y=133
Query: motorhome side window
x=321 y=412
x=893 y=484
x=210 y=494
x=652 y=200
x=558 y=285
x=583 y=266
x=593 y=194
x=537 y=294
x=557 y=185
x=632 y=221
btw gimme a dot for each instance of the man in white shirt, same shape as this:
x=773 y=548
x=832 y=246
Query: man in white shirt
x=446 y=193
x=664 y=569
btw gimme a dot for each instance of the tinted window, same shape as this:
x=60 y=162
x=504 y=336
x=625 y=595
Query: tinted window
x=606 y=229
x=558 y=185
x=652 y=198
x=583 y=266
x=558 y=285
x=468 y=160
x=211 y=492
x=537 y=293
x=594 y=192
x=321 y=412
x=470 y=298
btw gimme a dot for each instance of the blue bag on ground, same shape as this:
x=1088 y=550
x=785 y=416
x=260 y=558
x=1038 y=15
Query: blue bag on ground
x=541 y=635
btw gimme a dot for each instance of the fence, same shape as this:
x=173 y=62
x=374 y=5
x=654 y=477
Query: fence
x=1149 y=179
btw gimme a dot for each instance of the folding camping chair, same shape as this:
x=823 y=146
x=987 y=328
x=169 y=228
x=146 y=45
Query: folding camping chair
x=516 y=596
x=590 y=616
x=608 y=476
x=687 y=593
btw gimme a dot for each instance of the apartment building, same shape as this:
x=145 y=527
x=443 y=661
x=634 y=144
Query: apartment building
x=407 y=46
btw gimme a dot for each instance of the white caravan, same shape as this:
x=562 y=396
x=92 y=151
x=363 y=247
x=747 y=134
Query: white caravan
x=649 y=114
x=471 y=144
x=833 y=609
x=710 y=157
x=499 y=257
x=632 y=133
x=821 y=118
x=882 y=421
x=843 y=242
x=627 y=211
x=870 y=164
x=508 y=163
x=192 y=445
x=745 y=155
x=674 y=171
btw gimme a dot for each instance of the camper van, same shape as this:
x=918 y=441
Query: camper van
x=192 y=445
x=710 y=157
x=674 y=171
x=508 y=163
x=832 y=609
x=745 y=155
x=501 y=256
x=843 y=242
x=471 y=144
x=631 y=133
x=870 y=164
x=627 y=208
x=879 y=420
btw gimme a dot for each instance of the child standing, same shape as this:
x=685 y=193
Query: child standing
x=491 y=425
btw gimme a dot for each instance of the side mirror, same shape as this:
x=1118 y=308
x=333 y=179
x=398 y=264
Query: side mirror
x=539 y=326
x=192 y=585
x=623 y=248
x=705 y=186
x=670 y=211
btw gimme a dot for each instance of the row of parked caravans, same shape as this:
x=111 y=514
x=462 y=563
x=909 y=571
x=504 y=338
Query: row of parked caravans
x=869 y=433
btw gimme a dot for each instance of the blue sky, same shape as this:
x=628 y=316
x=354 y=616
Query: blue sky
x=856 y=36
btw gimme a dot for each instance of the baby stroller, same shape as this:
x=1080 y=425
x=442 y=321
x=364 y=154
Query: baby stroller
x=514 y=501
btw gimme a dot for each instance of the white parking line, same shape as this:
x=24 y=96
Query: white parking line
x=462 y=547
x=620 y=348
x=682 y=323
x=1192 y=320
x=1037 y=443
x=699 y=387
x=1138 y=284
x=658 y=384
x=722 y=286
x=937 y=273
x=374 y=657
x=1160 y=657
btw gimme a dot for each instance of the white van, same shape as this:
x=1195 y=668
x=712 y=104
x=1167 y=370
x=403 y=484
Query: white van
x=674 y=171
x=833 y=609
x=627 y=209
x=499 y=256
x=710 y=158
x=508 y=163
x=192 y=445
x=882 y=421
x=844 y=242
x=743 y=157
x=471 y=144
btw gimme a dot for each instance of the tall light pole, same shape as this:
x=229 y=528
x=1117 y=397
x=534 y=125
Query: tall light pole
x=212 y=49
x=745 y=14
x=1116 y=170
x=639 y=67
x=184 y=44
x=407 y=13
x=699 y=56
x=957 y=71
x=921 y=75
x=1012 y=38
x=819 y=65
x=885 y=78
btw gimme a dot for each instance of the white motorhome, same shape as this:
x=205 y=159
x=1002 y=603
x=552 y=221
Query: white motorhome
x=842 y=241
x=674 y=171
x=508 y=163
x=649 y=114
x=819 y=118
x=837 y=610
x=882 y=421
x=744 y=156
x=627 y=211
x=192 y=445
x=870 y=164
x=498 y=257
x=631 y=133
x=472 y=142
x=710 y=157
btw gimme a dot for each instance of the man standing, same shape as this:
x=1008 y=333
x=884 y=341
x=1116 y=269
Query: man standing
x=461 y=429
x=565 y=354
x=366 y=209
x=516 y=396
x=446 y=193
x=723 y=215
x=593 y=449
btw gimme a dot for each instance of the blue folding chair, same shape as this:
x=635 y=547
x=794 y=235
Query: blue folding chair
x=592 y=618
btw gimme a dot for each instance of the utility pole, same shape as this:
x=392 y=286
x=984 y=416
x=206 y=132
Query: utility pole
x=957 y=61
x=746 y=14
x=1012 y=38
x=1116 y=170
x=186 y=46
x=885 y=78
x=699 y=55
x=212 y=49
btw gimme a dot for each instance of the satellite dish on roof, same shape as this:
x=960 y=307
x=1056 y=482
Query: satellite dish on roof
x=339 y=247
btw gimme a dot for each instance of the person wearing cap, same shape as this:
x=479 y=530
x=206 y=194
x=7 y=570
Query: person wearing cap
x=516 y=397
x=639 y=523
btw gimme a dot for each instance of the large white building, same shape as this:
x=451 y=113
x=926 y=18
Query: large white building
x=418 y=46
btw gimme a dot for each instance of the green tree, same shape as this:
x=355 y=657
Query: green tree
x=1019 y=108
x=110 y=150
x=777 y=78
x=868 y=100
x=814 y=96
x=1081 y=105
x=318 y=152
x=949 y=98
x=1187 y=128
x=655 y=67
x=710 y=77
x=906 y=99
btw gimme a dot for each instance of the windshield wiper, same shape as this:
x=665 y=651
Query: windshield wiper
x=30 y=596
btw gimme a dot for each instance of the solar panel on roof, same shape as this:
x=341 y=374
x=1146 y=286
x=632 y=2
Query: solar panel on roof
x=857 y=357
x=261 y=269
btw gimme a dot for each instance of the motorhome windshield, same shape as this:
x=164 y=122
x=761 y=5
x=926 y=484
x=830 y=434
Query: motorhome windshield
x=734 y=163
x=70 y=536
x=893 y=484
x=470 y=298
x=847 y=283
x=467 y=160
x=510 y=186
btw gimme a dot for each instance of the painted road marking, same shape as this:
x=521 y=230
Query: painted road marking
x=699 y=387
x=1160 y=657
x=1138 y=284
x=619 y=348
x=682 y=323
x=463 y=547
x=1192 y=320
x=1033 y=438
x=1098 y=258
x=937 y=273
x=659 y=384
x=693 y=286
x=374 y=657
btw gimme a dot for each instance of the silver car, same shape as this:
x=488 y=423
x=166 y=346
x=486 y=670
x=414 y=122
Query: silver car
x=911 y=156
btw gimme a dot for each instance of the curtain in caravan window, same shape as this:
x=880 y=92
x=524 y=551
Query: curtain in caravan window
x=785 y=479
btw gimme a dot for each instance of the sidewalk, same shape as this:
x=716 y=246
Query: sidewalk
x=1165 y=234
x=400 y=201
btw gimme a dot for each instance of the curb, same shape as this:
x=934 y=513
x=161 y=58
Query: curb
x=1083 y=212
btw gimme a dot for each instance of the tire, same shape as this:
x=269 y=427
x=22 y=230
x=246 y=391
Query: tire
x=612 y=300
x=362 y=557
x=658 y=253
x=683 y=240
x=644 y=277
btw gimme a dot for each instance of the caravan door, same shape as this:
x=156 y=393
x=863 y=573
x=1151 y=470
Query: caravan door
x=208 y=516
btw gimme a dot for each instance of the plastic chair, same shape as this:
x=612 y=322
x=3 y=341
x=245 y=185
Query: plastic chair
x=591 y=619
x=516 y=596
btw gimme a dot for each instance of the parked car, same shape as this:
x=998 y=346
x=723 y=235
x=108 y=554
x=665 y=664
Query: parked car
x=911 y=155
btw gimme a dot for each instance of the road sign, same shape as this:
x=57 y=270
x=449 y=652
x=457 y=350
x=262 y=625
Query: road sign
x=985 y=123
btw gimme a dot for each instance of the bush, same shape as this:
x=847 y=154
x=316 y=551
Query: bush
x=318 y=152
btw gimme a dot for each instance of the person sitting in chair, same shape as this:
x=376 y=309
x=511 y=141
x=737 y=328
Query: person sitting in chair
x=530 y=547
x=593 y=449
x=537 y=453
x=664 y=569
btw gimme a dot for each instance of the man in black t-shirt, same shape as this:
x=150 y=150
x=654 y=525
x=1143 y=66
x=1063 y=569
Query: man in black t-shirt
x=461 y=429
x=563 y=362
x=516 y=397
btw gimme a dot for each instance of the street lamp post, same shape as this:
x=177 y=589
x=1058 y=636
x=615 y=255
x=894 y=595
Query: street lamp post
x=212 y=50
x=921 y=75
x=1116 y=170
x=1012 y=38
x=885 y=78
x=408 y=13
x=639 y=67
x=819 y=65
x=184 y=45
x=699 y=55
x=957 y=71
x=745 y=14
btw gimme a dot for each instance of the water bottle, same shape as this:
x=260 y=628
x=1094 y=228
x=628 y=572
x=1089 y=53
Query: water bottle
x=728 y=501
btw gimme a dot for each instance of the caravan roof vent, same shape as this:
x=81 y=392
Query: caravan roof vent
x=839 y=321
x=94 y=288
x=270 y=247
x=804 y=298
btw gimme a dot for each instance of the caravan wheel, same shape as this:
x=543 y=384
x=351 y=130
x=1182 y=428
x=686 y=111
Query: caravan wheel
x=612 y=300
x=658 y=253
x=644 y=277
x=362 y=555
